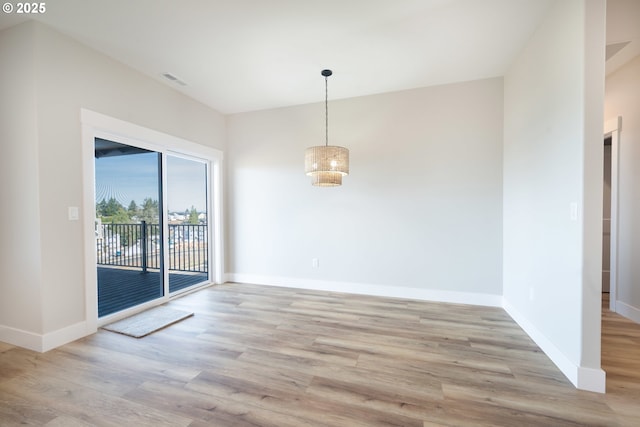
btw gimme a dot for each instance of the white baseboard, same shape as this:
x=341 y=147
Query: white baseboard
x=20 y=338
x=44 y=342
x=490 y=300
x=628 y=311
x=589 y=379
x=226 y=277
x=66 y=335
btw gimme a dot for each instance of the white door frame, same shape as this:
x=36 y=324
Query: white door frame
x=612 y=129
x=102 y=126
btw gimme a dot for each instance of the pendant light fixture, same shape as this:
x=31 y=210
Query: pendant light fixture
x=326 y=164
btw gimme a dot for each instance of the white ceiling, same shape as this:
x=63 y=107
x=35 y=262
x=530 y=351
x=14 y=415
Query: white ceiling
x=244 y=55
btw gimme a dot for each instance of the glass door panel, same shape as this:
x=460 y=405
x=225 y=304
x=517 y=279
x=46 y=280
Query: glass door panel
x=128 y=226
x=188 y=223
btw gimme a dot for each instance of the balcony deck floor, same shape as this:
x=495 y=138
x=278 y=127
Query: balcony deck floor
x=122 y=288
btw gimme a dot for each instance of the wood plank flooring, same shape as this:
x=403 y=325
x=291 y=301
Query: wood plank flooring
x=621 y=361
x=269 y=356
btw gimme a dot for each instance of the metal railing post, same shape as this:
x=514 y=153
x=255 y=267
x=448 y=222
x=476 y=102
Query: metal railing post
x=143 y=238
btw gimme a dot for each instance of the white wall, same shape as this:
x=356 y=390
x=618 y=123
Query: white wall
x=419 y=215
x=553 y=159
x=20 y=263
x=622 y=98
x=62 y=77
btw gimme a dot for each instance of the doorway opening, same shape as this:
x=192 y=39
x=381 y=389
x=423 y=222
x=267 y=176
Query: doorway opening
x=606 y=218
x=610 y=211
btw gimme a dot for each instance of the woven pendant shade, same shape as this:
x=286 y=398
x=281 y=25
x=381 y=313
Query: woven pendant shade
x=326 y=179
x=326 y=164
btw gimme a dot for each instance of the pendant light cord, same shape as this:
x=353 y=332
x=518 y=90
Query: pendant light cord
x=326 y=111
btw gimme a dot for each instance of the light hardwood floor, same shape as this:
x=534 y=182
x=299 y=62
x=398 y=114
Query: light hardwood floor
x=268 y=356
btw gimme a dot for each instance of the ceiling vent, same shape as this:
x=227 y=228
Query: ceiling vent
x=173 y=79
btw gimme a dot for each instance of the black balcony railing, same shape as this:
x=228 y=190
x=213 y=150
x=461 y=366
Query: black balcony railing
x=138 y=245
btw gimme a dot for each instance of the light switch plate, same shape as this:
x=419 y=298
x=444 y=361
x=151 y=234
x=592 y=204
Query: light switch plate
x=74 y=213
x=573 y=211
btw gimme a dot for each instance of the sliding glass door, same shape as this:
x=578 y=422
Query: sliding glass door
x=145 y=248
x=188 y=222
x=129 y=232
